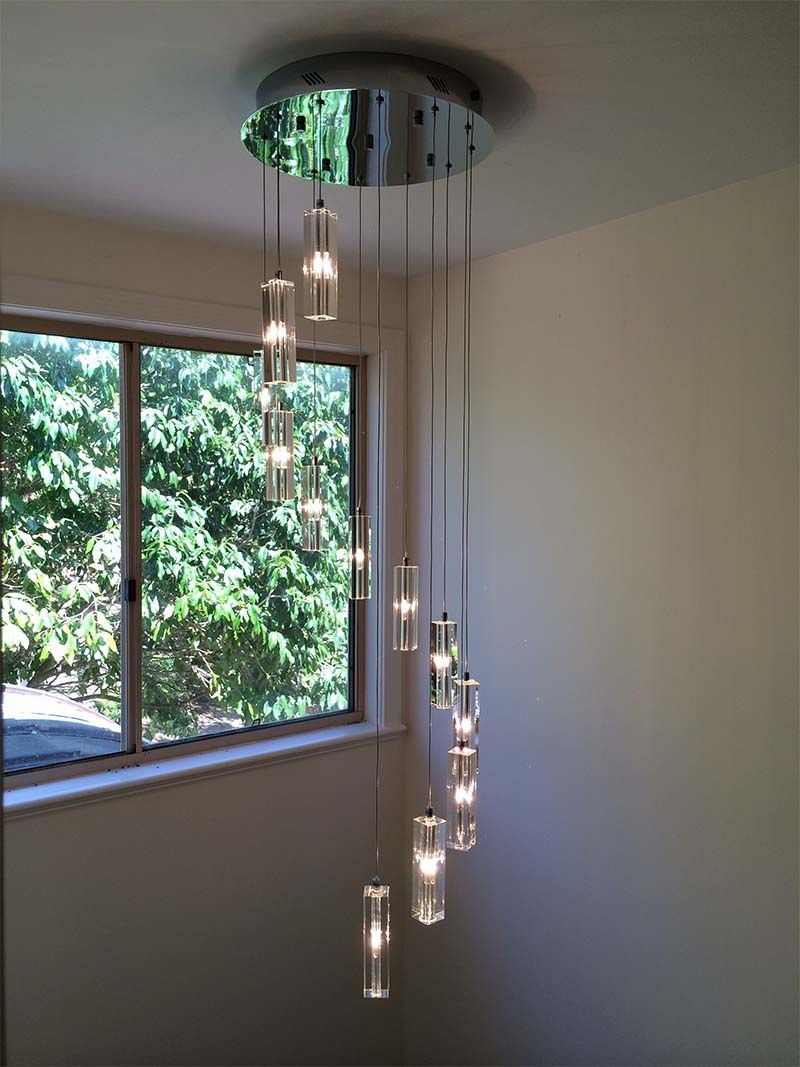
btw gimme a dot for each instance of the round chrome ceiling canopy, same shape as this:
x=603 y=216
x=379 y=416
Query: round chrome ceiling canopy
x=325 y=112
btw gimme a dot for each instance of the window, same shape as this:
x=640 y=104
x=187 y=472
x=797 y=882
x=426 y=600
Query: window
x=217 y=623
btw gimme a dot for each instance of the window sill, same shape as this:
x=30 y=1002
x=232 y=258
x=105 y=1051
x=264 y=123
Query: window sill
x=24 y=800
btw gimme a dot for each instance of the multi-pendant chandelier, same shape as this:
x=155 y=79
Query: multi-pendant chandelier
x=376 y=120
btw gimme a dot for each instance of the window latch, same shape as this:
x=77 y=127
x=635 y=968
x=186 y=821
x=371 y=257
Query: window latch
x=129 y=590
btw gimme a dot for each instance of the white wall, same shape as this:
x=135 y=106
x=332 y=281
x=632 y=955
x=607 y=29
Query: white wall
x=633 y=895
x=214 y=921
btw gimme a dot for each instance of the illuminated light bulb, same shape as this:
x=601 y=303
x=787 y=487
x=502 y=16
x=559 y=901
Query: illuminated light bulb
x=278 y=336
x=312 y=507
x=320 y=264
x=360 y=556
x=281 y=456
x=405 y=603
x=376 y=941
x=278 y=425
x=444 y=662
x=266 y=398
x=427 y=869
x=461 y=797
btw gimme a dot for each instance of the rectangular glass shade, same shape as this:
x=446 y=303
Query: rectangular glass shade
x=467 y=715
x=320 y=265
x=462 y=797
x=427 y=874
x=278 y=442
x=444 y=662
x=278 y=336
x=360 y=556
x=405 y=626
x=312 y=507
x=376 y=942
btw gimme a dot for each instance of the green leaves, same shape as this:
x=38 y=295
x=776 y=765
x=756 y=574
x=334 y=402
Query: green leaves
x=238 y=623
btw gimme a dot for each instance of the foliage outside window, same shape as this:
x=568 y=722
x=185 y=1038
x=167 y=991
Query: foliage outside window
x=239 y=626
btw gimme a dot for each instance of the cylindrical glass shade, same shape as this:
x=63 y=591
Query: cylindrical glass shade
x=462 y=797
x=376 y=942
x=427 y=876
x=405 y=628
x=278 y=332
x=312 y=506
x=467 y=715
x=444 y=662
x=360 y=555
x=277 y=424
x=320 y=265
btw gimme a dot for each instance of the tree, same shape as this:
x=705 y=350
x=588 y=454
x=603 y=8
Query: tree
x=237 y=621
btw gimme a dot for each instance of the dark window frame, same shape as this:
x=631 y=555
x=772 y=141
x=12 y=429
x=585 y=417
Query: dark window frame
x=130 y=342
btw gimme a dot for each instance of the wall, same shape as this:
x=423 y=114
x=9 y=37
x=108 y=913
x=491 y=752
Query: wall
x=634 y=624
x=219 y=920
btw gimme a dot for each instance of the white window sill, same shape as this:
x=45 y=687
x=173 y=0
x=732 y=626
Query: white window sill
x=101 y=785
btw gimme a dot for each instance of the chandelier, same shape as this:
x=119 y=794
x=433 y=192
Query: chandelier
x=370 y=121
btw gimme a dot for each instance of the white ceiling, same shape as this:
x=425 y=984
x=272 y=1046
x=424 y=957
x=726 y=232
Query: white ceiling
x=130 y=109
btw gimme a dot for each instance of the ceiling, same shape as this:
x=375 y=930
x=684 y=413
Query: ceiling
x=129 y=110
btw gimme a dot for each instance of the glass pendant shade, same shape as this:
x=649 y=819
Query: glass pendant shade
x=405 y=626
x=427 y=875
x=320 y=265
x=360 y=555
x=467 y=714
x=278 y=334
x=277 y=437
x=312 y=506
x=444 y=662
x=376 y=941
x=462 y=797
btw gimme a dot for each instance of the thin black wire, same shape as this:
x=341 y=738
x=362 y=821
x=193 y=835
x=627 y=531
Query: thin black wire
x=405 y=361
x=435 y=110
x=360 y=447
x=448 y=166
x=469 y=390
x=264 y=217
x=378 y=507
x=464 y=388
x=278 y=208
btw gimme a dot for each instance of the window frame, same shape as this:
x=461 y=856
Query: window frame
x=132 y=751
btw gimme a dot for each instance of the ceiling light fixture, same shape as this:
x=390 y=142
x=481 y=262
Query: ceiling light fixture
x=370 y=119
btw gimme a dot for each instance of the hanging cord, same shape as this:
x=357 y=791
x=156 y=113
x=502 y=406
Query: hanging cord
x=378 y=506
x=464 y=389
x=405 y=361
x=362 y=431
x=448 y=166
x=264 y=217
x=435 y=110
x=468 y=387
x=279 y=272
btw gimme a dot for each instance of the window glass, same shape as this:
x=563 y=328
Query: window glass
x=240 y=626
x=61 y=549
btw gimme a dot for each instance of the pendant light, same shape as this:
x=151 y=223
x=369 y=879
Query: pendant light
x=320 y=259
x=405 y=602
x=444 y=631
x=428 y=854
x=462 y=783
x=312 y=506
x=278 y=441
x=278 y=330
x=376 y=940
x=360 y=539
